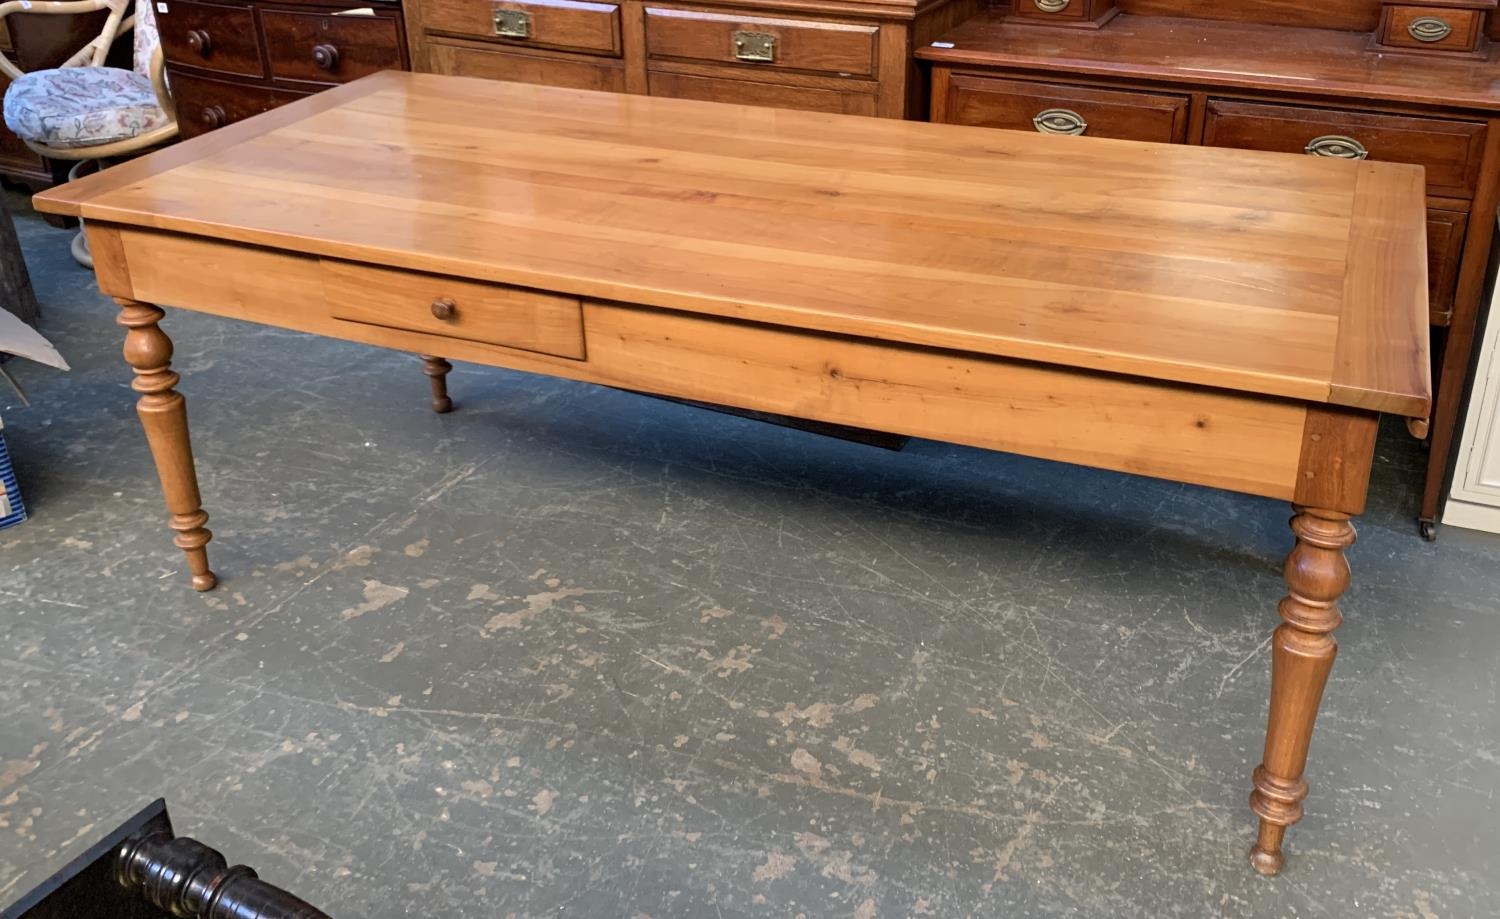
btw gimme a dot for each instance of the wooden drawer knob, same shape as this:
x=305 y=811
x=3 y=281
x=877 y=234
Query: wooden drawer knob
x=213 y=116
x=444 y=308
x=199 y=41
x=325 y=56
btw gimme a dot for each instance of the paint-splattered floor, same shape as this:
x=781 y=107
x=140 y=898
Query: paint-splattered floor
x=571 y=651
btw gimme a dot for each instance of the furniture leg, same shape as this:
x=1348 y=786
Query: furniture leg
x=1302 y=652
x=437 y=373
x=163 y=413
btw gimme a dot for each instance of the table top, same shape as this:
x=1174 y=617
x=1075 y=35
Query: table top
x=1272 y=274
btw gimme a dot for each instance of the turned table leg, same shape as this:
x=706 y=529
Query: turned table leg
x=1302 y=652
x=437 y=374
x=163 y=414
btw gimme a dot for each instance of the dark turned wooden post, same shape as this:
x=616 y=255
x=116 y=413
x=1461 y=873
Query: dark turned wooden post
x=184 y=877
x=143 y=870
x=437 y=369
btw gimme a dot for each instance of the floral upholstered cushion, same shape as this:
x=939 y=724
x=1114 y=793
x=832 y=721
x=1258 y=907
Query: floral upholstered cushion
x=82 y=106
x=146 y=37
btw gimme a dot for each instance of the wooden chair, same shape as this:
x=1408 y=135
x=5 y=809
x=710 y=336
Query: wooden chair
x=83 y=110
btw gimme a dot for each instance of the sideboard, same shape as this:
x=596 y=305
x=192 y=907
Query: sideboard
x=230 y=59
x=847 y=56
x=1413 y=82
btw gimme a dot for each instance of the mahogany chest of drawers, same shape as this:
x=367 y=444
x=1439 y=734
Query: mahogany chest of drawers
x=230 y=59
x=849 y=56
x=1414 y=82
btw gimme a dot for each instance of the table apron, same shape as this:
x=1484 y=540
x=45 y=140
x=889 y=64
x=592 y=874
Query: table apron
x=1240 y=442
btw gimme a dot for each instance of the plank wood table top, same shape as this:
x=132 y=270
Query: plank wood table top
x=1220 y=317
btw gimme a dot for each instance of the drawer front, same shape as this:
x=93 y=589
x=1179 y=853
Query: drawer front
x=753 y=41
x=564 y=24
x=1445 y=247
x=210 y=37
x=318 y=48
x=203 y=104
x=1431 y=28
x=1449 y=149
x=745 y=92
x=1057 y=109
x=571 y=71
x=495 y=314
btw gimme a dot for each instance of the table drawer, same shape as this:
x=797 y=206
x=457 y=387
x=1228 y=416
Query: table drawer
x=565 y=24
x=204 y=104
x=775 y=95
x=495 y=314
x=1450 y=150
x=754 y=41
x=318 y=48
x=573 y=71
x=1445 y=247
x=1058 y=109
x=1428 y=28
x=210 y=37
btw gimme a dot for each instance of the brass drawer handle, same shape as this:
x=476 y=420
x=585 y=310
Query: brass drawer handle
x=1060 y=121
x=759 y=47
x=1338 y=147
x=513 y=23
x=1052 y=6
x=1429 y=29
x=444 y=308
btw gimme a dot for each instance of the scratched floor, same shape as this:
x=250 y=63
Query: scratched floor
x=571 y=651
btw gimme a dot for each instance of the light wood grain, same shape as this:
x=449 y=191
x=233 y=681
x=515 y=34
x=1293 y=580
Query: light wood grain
x=1180 y=433
x=1210 y=437
x=492 y=313
x=1212 y=267
x=1381 y=359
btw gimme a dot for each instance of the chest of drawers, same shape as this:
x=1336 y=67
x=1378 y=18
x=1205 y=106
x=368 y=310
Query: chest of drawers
x=230 y=59
x=1345 y=78
x=849 y=56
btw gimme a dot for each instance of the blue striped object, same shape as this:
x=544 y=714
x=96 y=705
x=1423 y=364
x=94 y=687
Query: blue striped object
x=12 y=511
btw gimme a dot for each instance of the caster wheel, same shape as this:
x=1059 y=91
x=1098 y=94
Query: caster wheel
x=1429 y=530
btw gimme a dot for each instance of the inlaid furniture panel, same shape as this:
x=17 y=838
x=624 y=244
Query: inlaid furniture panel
x=849 y=56
x=1240 y=320
x=230 y=59
x=1415 y=82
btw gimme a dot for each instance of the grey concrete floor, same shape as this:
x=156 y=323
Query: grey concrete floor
x=571 y=651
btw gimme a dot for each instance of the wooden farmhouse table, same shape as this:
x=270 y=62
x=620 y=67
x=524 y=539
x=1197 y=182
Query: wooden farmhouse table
x=1220 y=317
